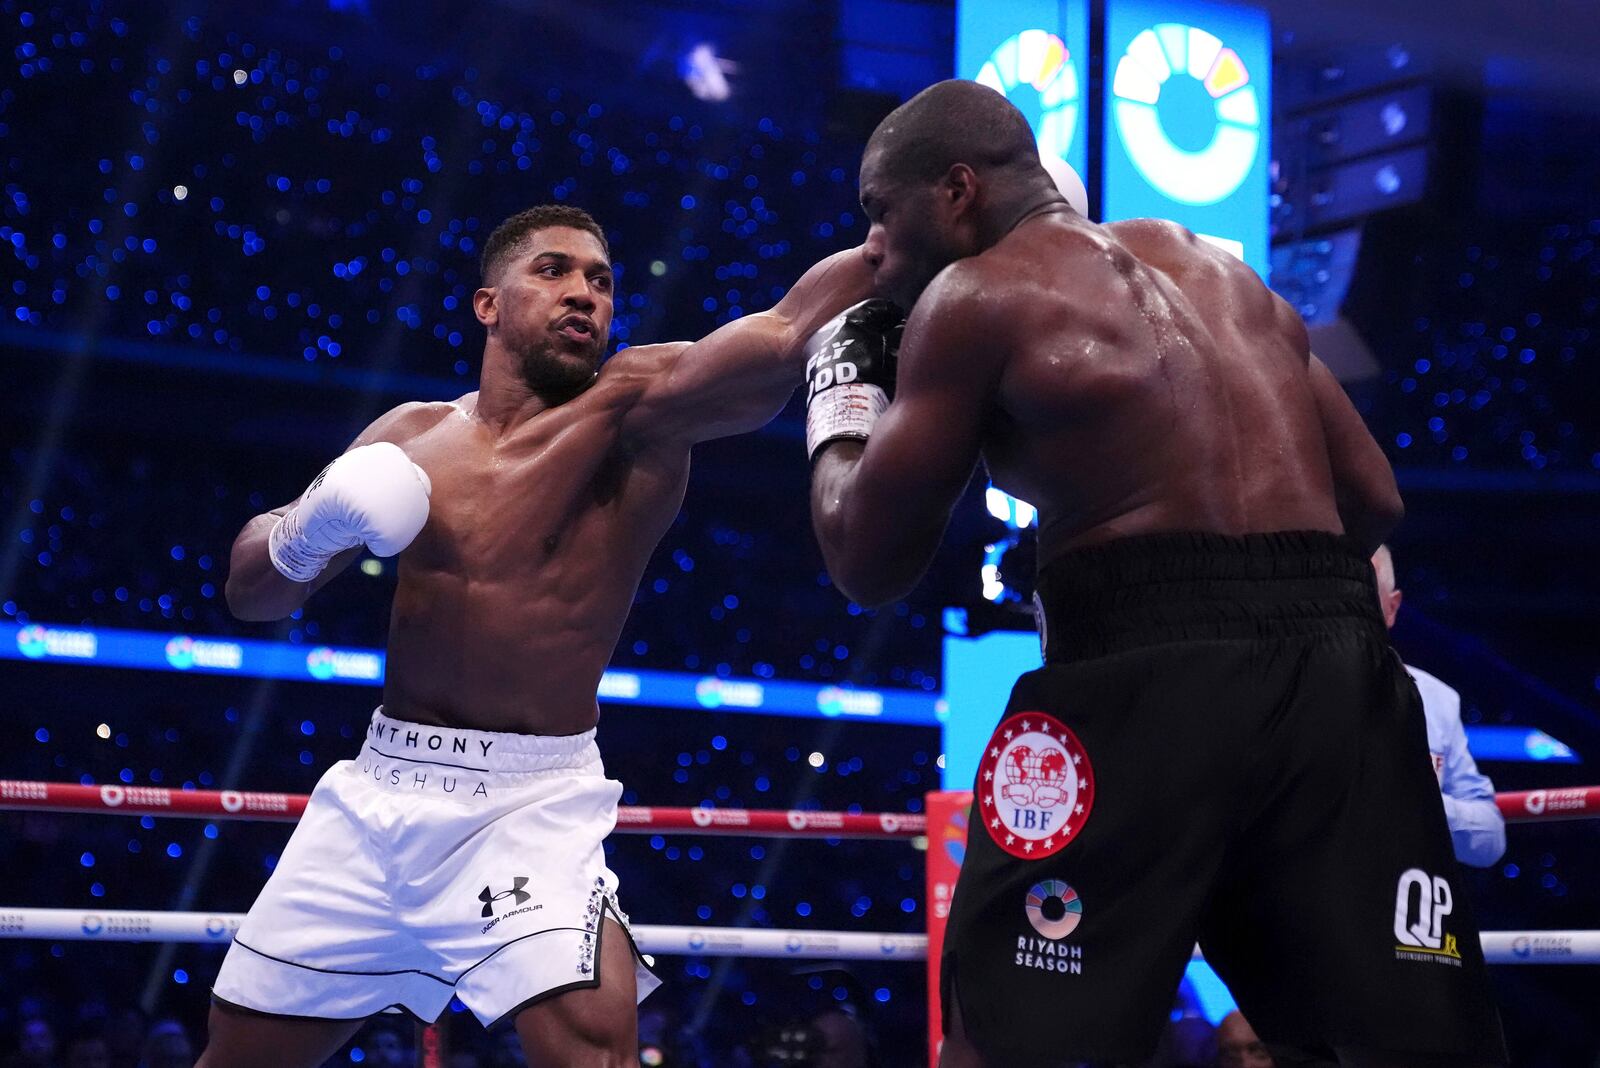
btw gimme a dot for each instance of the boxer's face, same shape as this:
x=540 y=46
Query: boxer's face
x=551 y=307
x=912 y=233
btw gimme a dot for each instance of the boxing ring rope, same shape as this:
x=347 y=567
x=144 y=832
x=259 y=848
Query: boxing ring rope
x=1523 y=806
x=123 y=925
x=1500 y=947
x=17 y=795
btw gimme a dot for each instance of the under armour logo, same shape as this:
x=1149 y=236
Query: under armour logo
x=489 y=897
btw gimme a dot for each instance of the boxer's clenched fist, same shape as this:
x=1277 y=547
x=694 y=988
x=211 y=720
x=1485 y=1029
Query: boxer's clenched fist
x=373 y=496
x=850 y=373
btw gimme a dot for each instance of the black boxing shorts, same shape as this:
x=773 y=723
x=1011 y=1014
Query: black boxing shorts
x=1221 y=748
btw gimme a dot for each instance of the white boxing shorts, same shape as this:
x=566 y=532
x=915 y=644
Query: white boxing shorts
x=439 y=862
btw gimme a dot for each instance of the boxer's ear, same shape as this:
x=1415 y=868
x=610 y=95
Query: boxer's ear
x=485 y=305
x=959 y=187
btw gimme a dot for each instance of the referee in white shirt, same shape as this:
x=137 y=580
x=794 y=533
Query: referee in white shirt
x=1476 y=826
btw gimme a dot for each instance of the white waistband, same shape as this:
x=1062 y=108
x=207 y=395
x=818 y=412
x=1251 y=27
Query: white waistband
x=483 y=751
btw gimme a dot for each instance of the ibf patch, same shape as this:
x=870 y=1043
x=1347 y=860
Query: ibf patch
x=1036 y=785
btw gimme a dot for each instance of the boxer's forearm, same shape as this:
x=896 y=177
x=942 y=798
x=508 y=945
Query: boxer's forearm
x=870 y=558
x=256 y=591
x=1368 y=520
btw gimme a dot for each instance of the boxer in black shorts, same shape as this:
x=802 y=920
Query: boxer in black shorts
x=1221 y=746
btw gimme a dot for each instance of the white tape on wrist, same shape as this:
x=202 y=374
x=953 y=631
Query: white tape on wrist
x=288 y=551
x=847 y=411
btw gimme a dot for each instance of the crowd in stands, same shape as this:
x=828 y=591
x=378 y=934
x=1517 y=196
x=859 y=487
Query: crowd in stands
x=249 y=208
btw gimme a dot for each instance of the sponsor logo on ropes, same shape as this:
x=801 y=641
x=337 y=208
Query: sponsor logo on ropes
x=1036 y=785
x=889 y=822
x=888 y=946
x=1540 y=802
x=183 y=653
x=726 y=941
x=217 y=927
x=324 y=663
x=147 y=796
x=94 y=925
x=1422 y=902
x=713 y=692
x=720 y=817
x=635 y=816
x=36 y=642
x=234 y=801
x=14 y=790
x=1526 y=946
x=815 y=821
x=1054 y=910
x=13 y=923
x=793 y=944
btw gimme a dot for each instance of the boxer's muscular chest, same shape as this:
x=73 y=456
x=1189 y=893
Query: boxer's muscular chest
x=559 y=494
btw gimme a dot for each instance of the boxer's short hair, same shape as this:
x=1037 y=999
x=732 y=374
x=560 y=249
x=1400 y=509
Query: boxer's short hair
x=508 y=238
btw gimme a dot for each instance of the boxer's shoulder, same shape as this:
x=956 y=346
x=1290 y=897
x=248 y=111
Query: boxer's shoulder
x=404 y=422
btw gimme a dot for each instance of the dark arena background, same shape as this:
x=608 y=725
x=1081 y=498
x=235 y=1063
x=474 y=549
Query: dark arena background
x=233 y=234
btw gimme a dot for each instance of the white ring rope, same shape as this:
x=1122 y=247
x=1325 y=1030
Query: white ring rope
x=1499 y=947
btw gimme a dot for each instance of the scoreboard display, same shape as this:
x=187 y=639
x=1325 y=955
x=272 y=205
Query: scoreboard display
x=1182 y=90
x=1187 y=119
x=1036 y=53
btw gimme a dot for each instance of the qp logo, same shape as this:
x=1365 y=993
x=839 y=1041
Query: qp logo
x=697 y=941
x=320 y=663
x=215 y=928
x=32 y=642
x=1421 y=903
x=1054 y=908
x=1037 y=60
x=793 y=944
x=180 y=652
x=1522 y=946
x=92 y=925
x=1186 y=113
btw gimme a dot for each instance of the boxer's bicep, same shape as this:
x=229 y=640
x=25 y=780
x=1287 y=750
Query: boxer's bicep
x=920 y=456
x=737 y=378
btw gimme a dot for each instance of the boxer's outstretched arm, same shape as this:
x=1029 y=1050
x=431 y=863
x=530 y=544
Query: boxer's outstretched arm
x=740 y=376
x=1364 y=487
x=880 y=508
x=258 y=592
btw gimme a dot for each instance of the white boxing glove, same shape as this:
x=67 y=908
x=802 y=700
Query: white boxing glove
x=373 y=496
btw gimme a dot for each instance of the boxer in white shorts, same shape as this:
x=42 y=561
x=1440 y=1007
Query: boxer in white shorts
x=460 y=852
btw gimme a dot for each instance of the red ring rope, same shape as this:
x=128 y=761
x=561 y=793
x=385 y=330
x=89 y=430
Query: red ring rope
x=286 y=808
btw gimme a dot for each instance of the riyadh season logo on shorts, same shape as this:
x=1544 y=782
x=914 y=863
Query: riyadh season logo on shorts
x=1054 y=911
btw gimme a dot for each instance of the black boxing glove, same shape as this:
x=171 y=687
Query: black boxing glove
x=850 y=366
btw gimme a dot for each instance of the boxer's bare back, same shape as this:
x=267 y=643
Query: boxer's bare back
x=1164 y=389
x=1125 y=379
